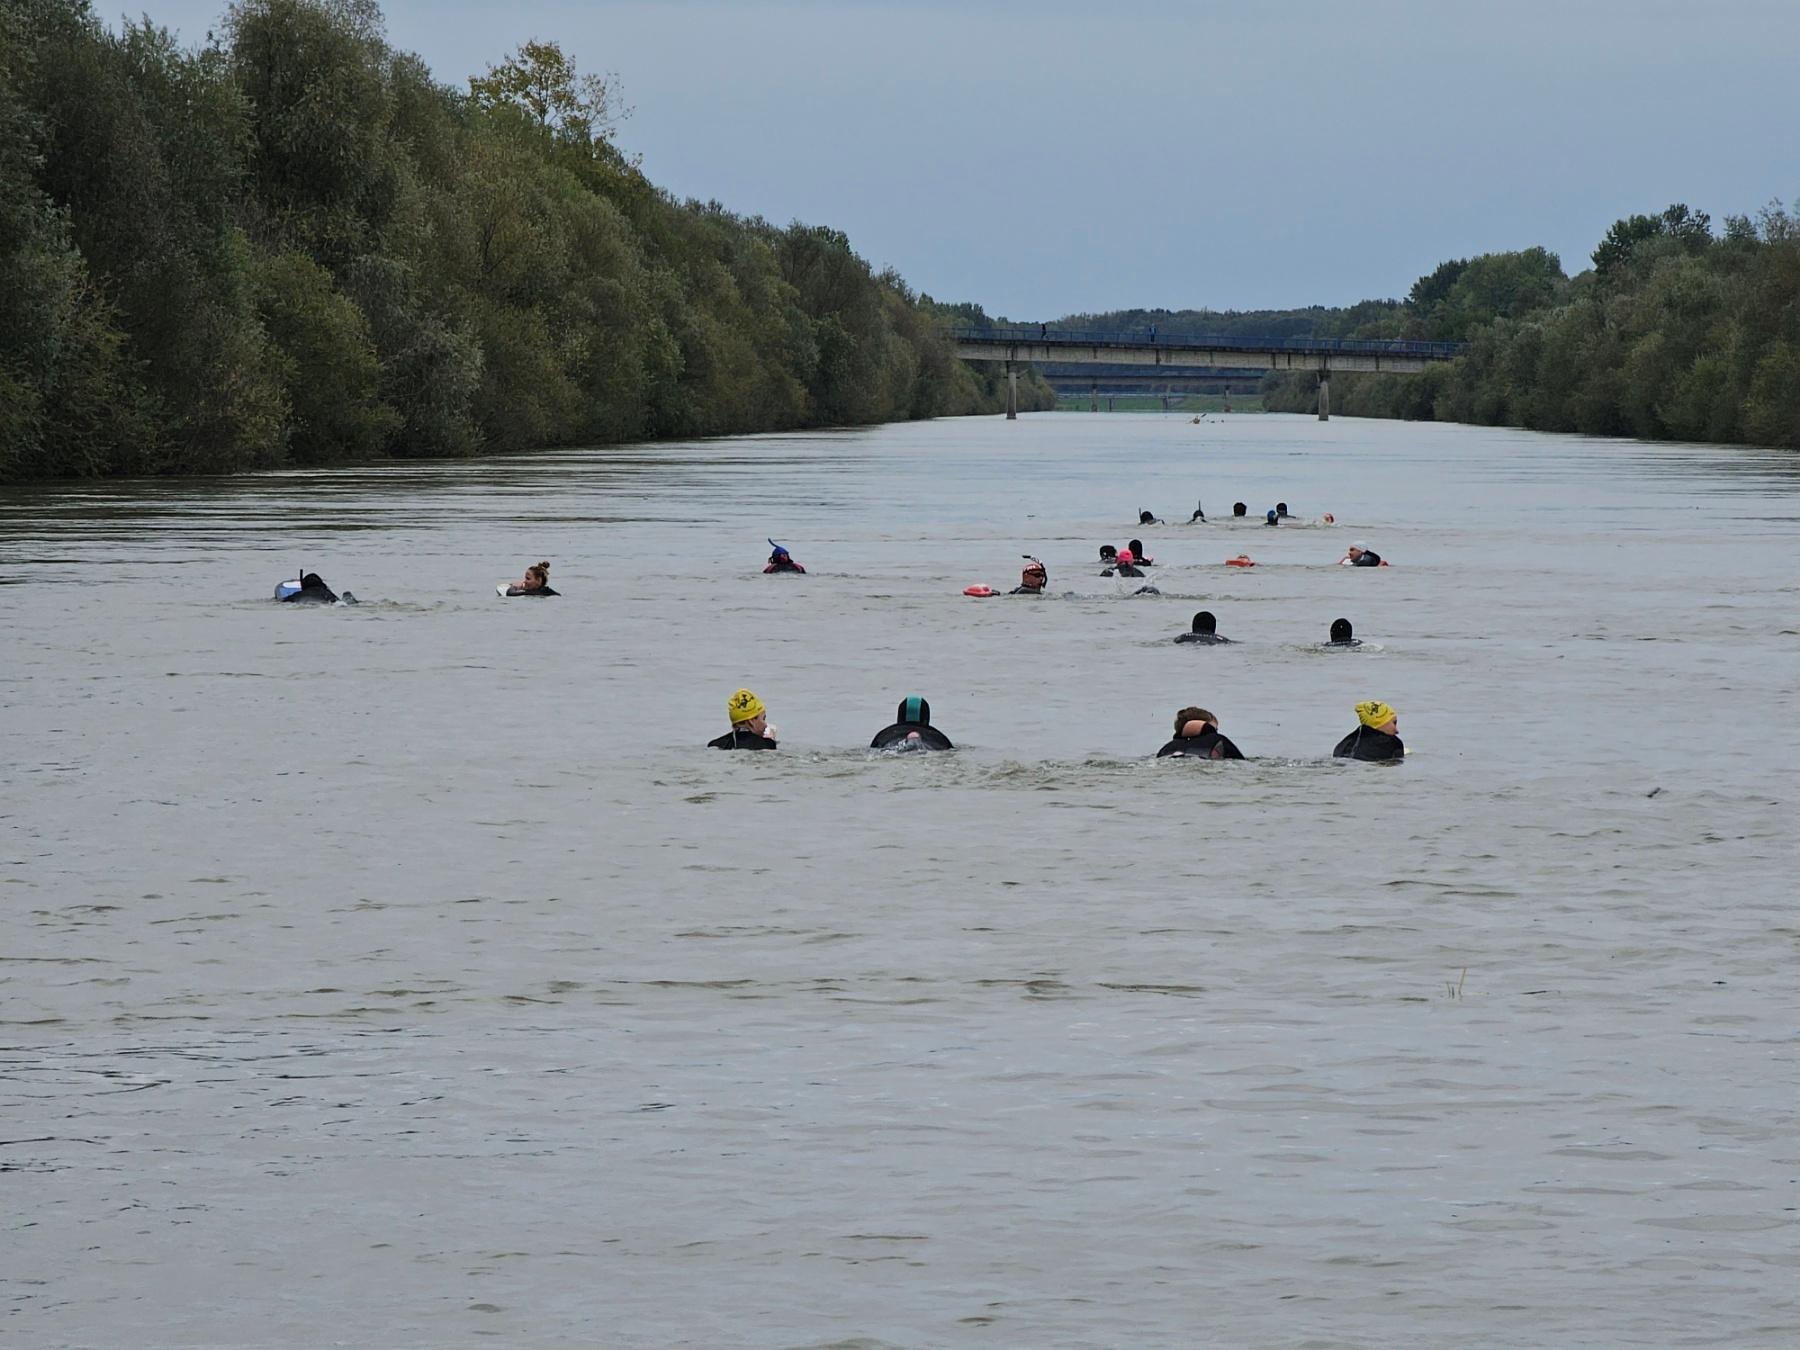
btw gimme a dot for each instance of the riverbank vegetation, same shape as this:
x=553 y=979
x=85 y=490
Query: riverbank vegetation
x=1675 y=332
x=293 y=245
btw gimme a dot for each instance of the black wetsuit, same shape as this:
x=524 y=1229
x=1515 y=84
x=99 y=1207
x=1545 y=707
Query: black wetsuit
x=1368 y=559
x=1208 y=639
x=929 y=736
x=1207 y=745
x=1368 y=743
x=784 y=565
x=1026 y=590
x=1124 y=570
x=742 y=738
x=1345 y=643
x=313 y=591
x=515 y=591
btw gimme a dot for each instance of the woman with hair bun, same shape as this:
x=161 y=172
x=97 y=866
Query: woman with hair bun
x=536 y=582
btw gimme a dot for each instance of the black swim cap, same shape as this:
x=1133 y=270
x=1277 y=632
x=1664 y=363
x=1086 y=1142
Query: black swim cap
x=1340 y=630
x=1108 y=551
x=1137 y=549
x=1281 y=507
x=1204 y=622
x=1239 y=509
x=914 y=711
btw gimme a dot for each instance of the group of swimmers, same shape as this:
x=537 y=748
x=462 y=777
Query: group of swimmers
x=1197 y=735
x=1205 y=630
x=1276 y=515
x=310 y=588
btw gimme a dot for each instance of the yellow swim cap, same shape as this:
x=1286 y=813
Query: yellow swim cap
x=743 y=706
x=1374 y=713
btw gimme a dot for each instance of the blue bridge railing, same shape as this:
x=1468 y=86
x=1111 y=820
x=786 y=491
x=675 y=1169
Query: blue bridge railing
x=1065 y=337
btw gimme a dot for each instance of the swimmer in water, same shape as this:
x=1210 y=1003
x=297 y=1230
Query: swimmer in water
x=1197 y=737
x=1126 y=564
x=912 y=729
x=1143 y=558
x=750 y=729
x=536 y=582
x=1377 y=735
x=1032 y=579
x=1199 y=512
x=782 y=561
x=1360 y=556
x=314 y=591
x=1342 y=635
x=1271 y=519
x=1205 y=631
x=1239 y=510
x=1147 y=518
x=1281 y=511
x=1109 y=555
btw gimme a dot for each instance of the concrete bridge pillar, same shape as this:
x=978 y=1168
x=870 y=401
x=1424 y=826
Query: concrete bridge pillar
x=1324 y=395
x=1012 y=393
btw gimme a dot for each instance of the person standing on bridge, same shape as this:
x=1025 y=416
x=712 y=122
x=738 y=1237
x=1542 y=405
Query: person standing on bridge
x=1043 y=331
x=1152 y=335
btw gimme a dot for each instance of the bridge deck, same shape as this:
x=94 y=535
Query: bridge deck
x=1065 y=347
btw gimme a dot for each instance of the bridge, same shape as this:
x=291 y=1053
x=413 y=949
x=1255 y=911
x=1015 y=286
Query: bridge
x=1041 y=345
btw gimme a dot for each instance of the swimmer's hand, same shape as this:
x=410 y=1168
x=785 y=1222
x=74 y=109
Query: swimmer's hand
x=771 y=731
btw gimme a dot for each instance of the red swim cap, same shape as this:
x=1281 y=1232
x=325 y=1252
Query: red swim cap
x=1125 y=556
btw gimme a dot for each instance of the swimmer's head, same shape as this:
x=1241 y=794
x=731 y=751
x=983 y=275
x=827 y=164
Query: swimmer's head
x=1108 y=553
x=913 y=712
x=1281 y=508
x=1137 y=548
x=1377 y=716
x=1340 y=630
x=743 y=707
x=1204 y=622
x=1033 y=577
x=1270 y=517
x=1239 y=509
x=1145 y=517
x=1126 y=557
x=1198 y=718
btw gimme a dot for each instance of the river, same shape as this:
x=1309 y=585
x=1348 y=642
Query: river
x=407 y=974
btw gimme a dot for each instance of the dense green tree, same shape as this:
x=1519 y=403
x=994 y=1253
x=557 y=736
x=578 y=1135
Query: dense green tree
x=293 y=245
x=1673 y=334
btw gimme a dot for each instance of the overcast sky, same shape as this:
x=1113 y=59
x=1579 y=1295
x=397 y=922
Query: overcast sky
x=1046 y=158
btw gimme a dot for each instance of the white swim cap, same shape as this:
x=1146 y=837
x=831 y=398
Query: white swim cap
x=1359 y=544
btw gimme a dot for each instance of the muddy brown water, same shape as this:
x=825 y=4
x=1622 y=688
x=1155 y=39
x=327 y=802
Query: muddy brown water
x=407 y=973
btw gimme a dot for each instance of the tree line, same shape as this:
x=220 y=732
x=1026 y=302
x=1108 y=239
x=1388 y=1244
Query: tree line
x=1675 y=332
x=293 y=245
